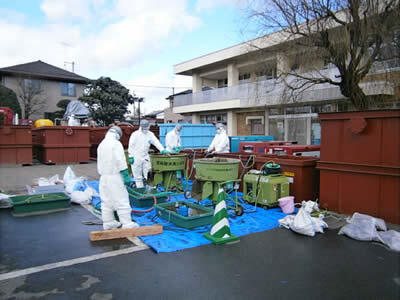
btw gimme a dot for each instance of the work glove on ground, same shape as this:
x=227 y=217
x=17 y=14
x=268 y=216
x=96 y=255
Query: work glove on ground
x=126 y=177
x=165 y=152
x=131 y=160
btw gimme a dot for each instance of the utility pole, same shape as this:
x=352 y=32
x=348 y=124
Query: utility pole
x=138 y=100
x=72 y=63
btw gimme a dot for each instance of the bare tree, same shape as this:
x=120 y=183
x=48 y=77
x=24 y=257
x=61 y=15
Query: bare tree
x=31 y=97
x=349 y=34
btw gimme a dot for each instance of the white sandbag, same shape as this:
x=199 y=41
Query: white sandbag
x=361 y=229
x=390 y=238
x=379 y=223
x=82 y=197
x=286 y=221
x=303 y=222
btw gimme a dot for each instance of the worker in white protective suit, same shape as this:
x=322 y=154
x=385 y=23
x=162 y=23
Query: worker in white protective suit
x=173 y=139
x=220 y=143
x=72 y=121
x=138 y=150
x=113 y=170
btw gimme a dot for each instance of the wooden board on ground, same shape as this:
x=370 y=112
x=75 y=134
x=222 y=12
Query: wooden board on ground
x=125 y=232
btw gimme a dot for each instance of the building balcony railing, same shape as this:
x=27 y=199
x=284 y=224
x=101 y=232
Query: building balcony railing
x=270 y=92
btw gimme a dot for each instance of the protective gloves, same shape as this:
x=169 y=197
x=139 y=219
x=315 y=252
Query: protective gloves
x=131 y=160
x=165 y=152
x=178 y=149
x=126 y=177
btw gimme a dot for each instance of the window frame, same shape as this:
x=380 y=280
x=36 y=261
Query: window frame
x=65 y=86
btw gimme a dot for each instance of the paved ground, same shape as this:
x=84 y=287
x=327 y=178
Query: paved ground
x=51 y=257
x=14 y=179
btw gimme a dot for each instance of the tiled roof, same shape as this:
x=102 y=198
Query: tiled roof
x=44 y=70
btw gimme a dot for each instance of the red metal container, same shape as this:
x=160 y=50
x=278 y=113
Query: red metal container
x=261 y=147
x=360 y=163
x=302 y=171
x=297 y=150
x=62 y=144
x=15 y=145
x=8 y=115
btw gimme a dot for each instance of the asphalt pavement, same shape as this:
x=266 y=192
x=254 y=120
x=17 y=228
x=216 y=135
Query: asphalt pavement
x=51 y=257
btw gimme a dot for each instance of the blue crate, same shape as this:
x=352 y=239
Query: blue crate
x=235 y=140
x=193 y=136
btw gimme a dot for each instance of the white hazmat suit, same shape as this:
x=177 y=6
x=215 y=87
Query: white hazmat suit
x=72 y=121
x=114 y=196
x=173 y=138
x=220 y=143
x=139 y=145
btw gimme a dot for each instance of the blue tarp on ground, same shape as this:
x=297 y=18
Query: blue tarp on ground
x=176 y=238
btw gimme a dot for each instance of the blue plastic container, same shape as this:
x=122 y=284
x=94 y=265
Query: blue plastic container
x=193 y=136
x=235 y=140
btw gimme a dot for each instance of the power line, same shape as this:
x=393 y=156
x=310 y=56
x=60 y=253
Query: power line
x=158 y=87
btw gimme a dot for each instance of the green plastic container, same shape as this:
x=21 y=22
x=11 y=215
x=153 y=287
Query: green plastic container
x=217 y=169
x=39 y=203
x=139 y=197
x=201 y=215
x=162 y=163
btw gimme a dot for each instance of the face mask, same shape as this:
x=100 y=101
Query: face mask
x=145 y=130
x=219 y=130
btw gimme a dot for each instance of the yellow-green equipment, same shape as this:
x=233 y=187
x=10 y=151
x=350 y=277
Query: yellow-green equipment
x=264 y=190
x=169 y=171
x=213 y=174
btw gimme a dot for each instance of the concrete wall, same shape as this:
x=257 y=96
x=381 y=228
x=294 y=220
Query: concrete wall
x=242 y=127
x=51 y=94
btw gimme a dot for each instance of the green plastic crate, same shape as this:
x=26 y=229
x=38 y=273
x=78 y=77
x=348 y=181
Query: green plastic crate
x=203 y=215
x=39 y=203
x=139 y=197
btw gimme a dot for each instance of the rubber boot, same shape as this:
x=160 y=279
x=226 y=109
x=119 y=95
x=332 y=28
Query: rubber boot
x=126 y=220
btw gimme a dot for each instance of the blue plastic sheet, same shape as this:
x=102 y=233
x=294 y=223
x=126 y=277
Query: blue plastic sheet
x=176 y=238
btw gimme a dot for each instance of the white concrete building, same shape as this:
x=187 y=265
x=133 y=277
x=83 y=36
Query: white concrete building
x=249 y=98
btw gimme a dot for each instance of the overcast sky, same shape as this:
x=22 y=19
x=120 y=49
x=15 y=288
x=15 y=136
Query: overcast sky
x=135 y=42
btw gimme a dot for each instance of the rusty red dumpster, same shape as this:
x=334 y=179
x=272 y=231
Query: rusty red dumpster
x=15 y=145
x=360 y=163
x=62 y=144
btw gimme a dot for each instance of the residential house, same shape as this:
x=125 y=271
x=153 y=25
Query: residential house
x=248 y=96
x=47 y=83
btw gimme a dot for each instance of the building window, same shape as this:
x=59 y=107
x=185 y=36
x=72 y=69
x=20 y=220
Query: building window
x=297 y=130
x=256 y=127
x=244 y=78
x=68 y=89
x=298 y=110
x=277 y=128
x=268 y=73
x=222 y=83
x=32 y=86
x=207 y=119
x=321 y=108
x=315 y=131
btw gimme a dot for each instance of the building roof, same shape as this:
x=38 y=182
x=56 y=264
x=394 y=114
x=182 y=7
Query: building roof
x=170 y=97
x=41 y=69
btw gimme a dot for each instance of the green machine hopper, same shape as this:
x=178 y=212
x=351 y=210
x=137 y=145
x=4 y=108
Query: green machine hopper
x=214 y=173
x=169 y=171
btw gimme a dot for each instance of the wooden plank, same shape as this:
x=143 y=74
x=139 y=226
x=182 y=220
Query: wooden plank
x=125 y=232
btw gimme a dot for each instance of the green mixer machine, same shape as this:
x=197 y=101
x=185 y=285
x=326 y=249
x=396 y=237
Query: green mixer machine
x=169 y=171
x=264 y=187
x=213 y=173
